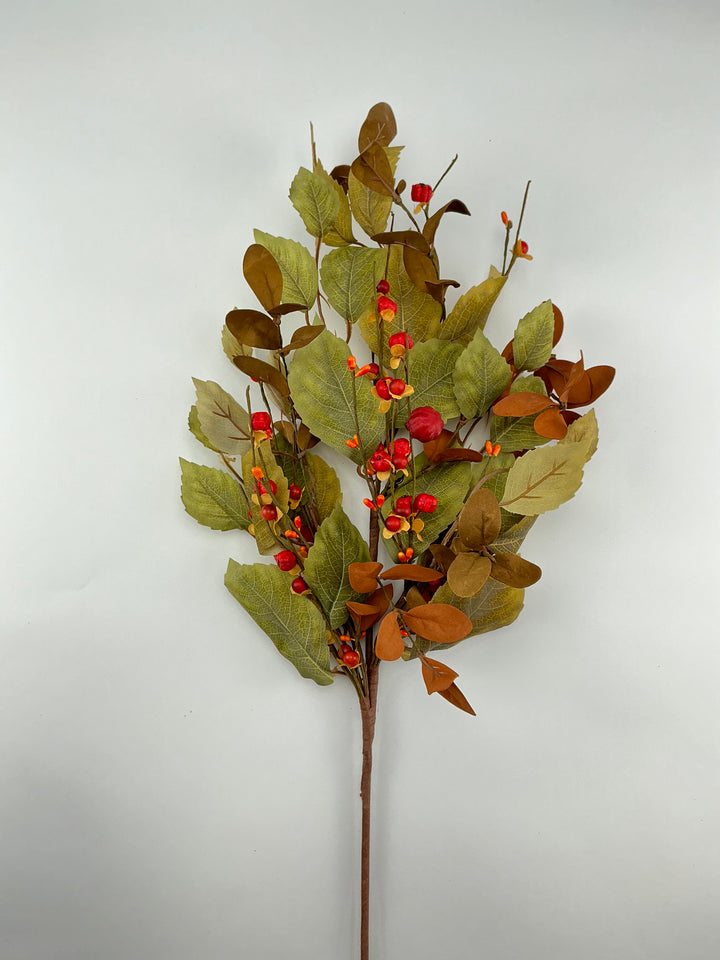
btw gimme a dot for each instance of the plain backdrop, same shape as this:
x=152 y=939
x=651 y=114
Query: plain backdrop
x=172 y=789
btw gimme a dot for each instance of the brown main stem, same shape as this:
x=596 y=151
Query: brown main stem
x=368 y=708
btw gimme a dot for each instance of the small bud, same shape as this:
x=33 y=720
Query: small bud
x=351 y=362
x=409 y=553
x=380 y=499
x=297 y=522
x=353 y=443
x=369 y=504
x=488 y=448
x=257 y=473
x=504 y=218
x=496 y=449
x=402 y=557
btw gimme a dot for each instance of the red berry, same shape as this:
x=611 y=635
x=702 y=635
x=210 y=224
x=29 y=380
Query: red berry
x=307 y=535
x=424 y=424
x=421 y=192
x=268 y=511
x=400 y=339
x=285 y=560
x=374 y=369
x=425 y=503
x=351 y=658
x=263 y=489
x=382 y=389
x=393 y=523
x=380 y=463
x=399 y=462
x=403 y=506
x=383 y=287
x=401 y=446
x=298 y=585
x=261 y=421
x=397 y=387
x=294 y=491
x=385 y=303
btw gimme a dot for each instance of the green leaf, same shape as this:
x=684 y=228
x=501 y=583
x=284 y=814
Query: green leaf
x=293 y=623
x=471 y=311
x=431 y=373
x=337 y=545
x=221 y=419
x=341 y=232
x=480 y=376
x=196 y=431
x=585 y=433
x=449 y=483
x=315 y=200
x=298 y=268
x=511 y=540
x=515 y=433
x=533 y=340
x=496 y=466
x=349 y=276
x=417 y=314
x=213 y=497
x=318 y=481
x=371 y=210
x=266 y=534
x=529 y=384
x=543 y=479
x=326 y=395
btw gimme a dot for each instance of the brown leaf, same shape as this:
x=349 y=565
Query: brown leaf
x=455 y=696
x=438 y=622
x=550 y=424
x=264 y=372
x=410 y=571
x=438 y=290
x=408 y=238
x=341 y=175
x=459 y=453
x=437 y=676
x=480 y=520
x=468 y=575
x=305 y=440
x=361 y=609
x=284 y=308
x=559 y=325
x=379 y=127
x=302 y=337
x=263 y=275
x=514 y=571
x=442 y=555
x=433 y=222
x=419 y=267
x=380 y=599
x=433 y=447
x=372 y=168
x=363 y=576
x=254 y=329
x=521 y=404
x=389 y=643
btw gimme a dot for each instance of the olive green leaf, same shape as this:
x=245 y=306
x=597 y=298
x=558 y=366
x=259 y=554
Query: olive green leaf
x=331 y=401
x=293 y=623
x=349 y=276
x=417 y=313
x=315 y=199
x=340 y=233
x=479 y=520
x=195 y=430
x=371 y=210
x=512 y=539
x=495 y=468
x=585 y=433
x=431 y=366
x=337 y=544
x=221 y=418
x=533 y=340
x=213 y=497
x=471 y=311
x=449 y=483
x=317 y=480
x=298 y=268
x=542 y=479
x=480 y=376
x=468 y=574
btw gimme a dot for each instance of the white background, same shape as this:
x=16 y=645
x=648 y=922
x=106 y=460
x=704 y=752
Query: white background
x=172 y=789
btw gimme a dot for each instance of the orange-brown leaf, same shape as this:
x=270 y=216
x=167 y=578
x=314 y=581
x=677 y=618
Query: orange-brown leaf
x=559 y=325
x=521 y=404
x=389 y=643
x=438 y=622
x=363 y=576
x=514 y=571
x=437 y=676
x=600 y=377
x=410 y=571
x=361 y=609
x=550 y=424
x=455 y=696
x=432 y=448
x=380 y=600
